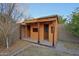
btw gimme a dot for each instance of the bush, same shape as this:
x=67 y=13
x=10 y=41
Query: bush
x=73 y=25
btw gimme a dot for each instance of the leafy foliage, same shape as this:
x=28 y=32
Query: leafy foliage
x=62 y=20
x=73 y=25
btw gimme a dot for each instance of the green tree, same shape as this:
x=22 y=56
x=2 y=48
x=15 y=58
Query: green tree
x=62 y=20
x=73 y=25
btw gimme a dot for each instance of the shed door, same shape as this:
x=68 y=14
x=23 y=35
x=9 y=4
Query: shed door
x=46 y=31
x=28 y=31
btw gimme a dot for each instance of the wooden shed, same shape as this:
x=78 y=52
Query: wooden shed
x=40 y=29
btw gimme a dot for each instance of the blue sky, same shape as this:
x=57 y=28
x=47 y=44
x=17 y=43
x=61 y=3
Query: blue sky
x=46 y=9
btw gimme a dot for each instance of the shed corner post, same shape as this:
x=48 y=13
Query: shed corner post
x=53 y=40
x=38 y=33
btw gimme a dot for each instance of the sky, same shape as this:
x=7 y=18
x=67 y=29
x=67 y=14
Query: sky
x=36 y=10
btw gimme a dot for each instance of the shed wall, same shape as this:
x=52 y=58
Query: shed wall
x=34 y=35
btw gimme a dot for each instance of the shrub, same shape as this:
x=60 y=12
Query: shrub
x=73 y=25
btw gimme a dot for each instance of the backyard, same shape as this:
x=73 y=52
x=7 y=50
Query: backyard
x=67 y=45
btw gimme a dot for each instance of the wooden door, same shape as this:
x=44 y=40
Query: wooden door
x=46 y=31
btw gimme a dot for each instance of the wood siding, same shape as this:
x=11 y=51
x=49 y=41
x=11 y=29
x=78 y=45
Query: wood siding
x=52 y=33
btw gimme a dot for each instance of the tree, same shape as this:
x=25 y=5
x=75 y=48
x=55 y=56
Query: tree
x=73 y=25
x=62 y=20
x=9 y=29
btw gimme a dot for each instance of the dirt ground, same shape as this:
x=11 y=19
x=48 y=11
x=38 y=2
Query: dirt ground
x=19 y=44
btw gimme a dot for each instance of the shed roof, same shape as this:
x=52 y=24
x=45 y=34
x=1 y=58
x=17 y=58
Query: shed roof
x=38 y=19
